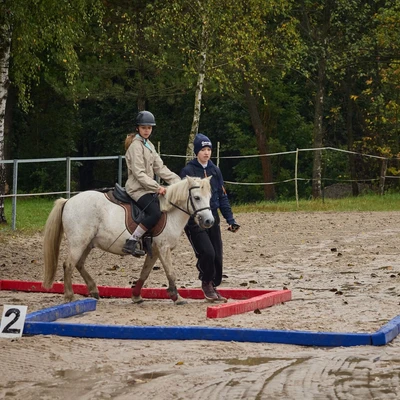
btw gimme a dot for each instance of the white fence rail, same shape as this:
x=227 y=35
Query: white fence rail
x=68 y=161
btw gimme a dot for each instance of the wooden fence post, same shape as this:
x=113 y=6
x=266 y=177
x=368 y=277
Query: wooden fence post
x=383 y=175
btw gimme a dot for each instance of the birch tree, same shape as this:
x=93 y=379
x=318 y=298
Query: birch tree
x=263 y=46
x=228 y=46
x=5 y=45
x=204 y=35
x=35 y=34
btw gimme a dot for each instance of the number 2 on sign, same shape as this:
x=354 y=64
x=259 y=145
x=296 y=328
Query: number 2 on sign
x=12 y=321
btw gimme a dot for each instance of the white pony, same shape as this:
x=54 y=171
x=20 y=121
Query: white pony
x=90 y=220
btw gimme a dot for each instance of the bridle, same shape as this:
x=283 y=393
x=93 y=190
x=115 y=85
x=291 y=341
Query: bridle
x=190 y=199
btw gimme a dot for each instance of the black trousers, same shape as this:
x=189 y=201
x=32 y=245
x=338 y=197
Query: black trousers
x=207 y=245
x=152 y=211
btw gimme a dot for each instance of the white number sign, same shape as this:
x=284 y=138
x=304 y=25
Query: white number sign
x=12 y=321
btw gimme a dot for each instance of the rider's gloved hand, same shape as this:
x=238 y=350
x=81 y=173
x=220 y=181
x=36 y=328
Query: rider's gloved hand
x=234 y=227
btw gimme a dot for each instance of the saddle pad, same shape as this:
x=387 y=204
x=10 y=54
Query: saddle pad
x=130 y=223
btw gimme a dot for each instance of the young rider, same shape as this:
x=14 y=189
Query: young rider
x=207 y=244
x=143 y=163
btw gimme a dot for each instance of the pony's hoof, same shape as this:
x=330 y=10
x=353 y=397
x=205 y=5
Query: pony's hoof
x=137 y=299
x=95 y=295
x=180 y=302
x=69 y=299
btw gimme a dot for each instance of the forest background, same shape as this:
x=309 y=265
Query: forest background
x=257 y=76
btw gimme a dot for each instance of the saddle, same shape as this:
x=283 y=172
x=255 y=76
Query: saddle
x=134 y=215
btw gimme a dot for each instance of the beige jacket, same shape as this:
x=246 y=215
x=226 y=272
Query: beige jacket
x=143 y=164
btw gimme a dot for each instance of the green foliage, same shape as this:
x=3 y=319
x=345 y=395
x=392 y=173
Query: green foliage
x=46 y=35
x=93 y=64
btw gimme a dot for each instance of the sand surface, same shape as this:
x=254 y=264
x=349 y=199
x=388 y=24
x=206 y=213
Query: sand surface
x=344 y=273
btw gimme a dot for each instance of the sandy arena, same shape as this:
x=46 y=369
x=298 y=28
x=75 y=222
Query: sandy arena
x=344 y=273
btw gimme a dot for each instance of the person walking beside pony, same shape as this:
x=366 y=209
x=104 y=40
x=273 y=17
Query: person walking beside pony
x=207 y=244
x=143 y=163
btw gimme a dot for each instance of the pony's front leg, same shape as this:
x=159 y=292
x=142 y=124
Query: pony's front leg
x=144 y=274
x=165 y=257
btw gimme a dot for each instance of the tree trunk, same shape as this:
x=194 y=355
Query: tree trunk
x=397 y=140
x=262 y=142
x=350 y=136
x=318 y=129
x=141 y=103
x=198 y=95
x=86 y=175
x=4 y=83
x=8 y=123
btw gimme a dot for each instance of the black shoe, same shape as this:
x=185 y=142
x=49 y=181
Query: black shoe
x=130 y=248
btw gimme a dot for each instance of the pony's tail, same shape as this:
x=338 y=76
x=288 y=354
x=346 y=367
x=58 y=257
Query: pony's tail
x=53 y=231
x=128 y=140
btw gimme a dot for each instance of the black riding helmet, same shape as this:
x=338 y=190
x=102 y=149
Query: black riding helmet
x=145 y=118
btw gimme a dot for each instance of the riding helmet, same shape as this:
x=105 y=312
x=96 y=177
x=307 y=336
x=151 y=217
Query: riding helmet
x=145 y=118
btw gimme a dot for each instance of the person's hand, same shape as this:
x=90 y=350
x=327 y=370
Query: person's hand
x=234 y=227
x=162 y=190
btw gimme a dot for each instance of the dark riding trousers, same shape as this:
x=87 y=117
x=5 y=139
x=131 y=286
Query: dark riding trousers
x=207 y=245
x=151 y=206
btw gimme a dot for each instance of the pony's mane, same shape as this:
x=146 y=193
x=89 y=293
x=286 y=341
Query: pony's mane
x=179 y=191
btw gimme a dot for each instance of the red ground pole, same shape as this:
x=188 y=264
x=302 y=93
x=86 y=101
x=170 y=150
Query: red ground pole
x=247 y=299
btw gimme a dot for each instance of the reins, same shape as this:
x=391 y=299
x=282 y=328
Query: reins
x=190 y=198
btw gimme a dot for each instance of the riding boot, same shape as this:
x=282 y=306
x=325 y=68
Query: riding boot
x=130 y=248
x=209 y=292
x=220 y=297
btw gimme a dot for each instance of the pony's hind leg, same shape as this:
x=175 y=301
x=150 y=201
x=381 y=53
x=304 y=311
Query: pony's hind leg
x=90 y=283
x=165 y=257
x=68 y=291
x=76 y=258
x=144 y=274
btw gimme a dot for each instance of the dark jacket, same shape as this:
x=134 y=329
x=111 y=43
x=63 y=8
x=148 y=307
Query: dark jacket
x=219 y=198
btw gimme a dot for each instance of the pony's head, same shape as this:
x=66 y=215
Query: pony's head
x=192 y=196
